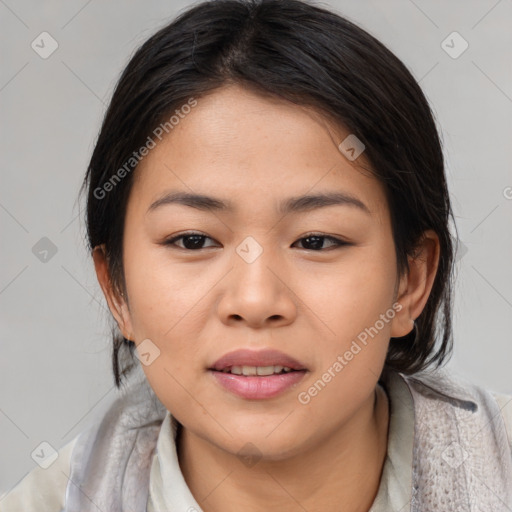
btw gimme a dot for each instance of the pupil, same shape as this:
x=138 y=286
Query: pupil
x=316 y=239
x=195 y=244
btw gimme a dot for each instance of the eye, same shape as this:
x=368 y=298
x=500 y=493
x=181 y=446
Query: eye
x=194 y=241
x=315 y=241
x=191 y=241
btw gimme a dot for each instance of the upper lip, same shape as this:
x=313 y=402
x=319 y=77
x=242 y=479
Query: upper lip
x=246 y=357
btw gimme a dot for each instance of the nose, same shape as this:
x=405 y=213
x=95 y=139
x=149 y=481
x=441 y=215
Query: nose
x=257 y=293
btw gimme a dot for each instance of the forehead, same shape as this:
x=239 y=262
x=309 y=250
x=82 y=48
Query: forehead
x=245 y=149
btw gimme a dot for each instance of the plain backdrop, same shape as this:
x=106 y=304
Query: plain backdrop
x=55 y=369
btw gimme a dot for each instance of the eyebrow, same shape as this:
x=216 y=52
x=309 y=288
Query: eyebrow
x=291 y=205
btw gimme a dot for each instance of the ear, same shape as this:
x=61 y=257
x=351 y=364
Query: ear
x=415 y=287
x=117 y=304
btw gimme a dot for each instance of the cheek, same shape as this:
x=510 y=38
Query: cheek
x=166 y=308
x=356 y=312
x=355 y=306
x=349 y=296
x=161 y=294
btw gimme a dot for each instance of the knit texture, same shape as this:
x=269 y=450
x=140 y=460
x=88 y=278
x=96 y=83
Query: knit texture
x=462 y=460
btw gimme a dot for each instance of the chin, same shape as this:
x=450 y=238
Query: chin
x=260 y=445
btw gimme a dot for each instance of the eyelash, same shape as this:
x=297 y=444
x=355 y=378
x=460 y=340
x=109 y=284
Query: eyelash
x=337 y=242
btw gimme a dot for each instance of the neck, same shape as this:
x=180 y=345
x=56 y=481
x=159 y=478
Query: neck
x=344 y=469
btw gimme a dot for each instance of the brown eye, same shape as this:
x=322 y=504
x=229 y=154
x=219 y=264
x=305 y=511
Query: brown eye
x=191 y=241
x=315 y=242
x=194 y=241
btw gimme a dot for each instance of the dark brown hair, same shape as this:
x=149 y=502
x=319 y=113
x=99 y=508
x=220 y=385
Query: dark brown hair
x=306 y=54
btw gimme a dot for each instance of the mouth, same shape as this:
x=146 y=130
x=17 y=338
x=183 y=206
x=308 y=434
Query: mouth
x=257 y=387
x=257 y=375
x=260 y=371
x=250 y=362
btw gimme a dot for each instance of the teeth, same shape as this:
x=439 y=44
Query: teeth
x=257 y=370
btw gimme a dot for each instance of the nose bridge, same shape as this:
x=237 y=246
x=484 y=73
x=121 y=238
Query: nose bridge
x=255 y=292
x=252 y=264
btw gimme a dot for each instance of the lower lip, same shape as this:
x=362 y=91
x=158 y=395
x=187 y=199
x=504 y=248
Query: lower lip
x=258 y=387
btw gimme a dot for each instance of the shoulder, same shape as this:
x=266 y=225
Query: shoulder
x=505 y=405
x=495 y=409
x=41 y=490
x=114 y=433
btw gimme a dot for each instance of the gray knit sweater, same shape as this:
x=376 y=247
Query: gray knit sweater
x=449 y=450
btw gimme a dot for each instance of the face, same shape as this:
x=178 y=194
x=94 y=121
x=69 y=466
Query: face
x=308 y=281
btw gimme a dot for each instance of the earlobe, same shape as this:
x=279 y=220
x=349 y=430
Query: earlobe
x=415 y=287
x=116 y=303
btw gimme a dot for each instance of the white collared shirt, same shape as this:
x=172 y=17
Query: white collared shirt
x=44 y=490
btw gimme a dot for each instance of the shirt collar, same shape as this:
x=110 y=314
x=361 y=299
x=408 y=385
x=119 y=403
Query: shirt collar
x=175 y=494
x=395 y=488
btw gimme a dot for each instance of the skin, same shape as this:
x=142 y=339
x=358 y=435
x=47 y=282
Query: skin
x=196 y=305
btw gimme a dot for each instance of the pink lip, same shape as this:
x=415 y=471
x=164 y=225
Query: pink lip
x=247 y=357
x=257 y=387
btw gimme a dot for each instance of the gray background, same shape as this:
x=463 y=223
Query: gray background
x=55 y=375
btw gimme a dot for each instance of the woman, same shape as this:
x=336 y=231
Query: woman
x=268 y=217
